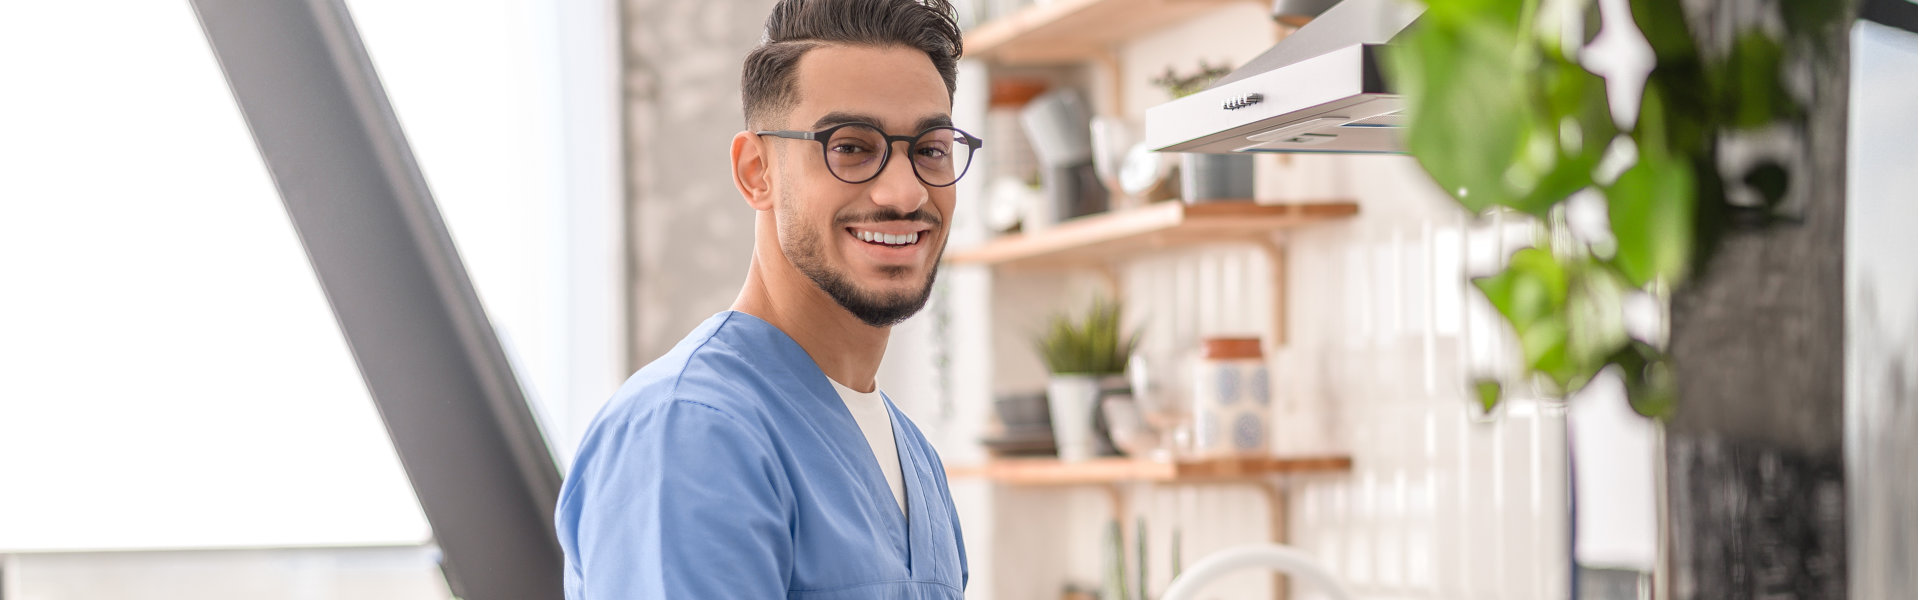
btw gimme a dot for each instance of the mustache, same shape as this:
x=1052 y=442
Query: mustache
x=887 y=215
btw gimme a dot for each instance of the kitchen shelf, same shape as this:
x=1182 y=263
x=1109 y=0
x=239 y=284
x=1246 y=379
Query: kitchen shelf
x=1113 y=472
x=1052 y=472
x=1072 y=31
x=1106 y=237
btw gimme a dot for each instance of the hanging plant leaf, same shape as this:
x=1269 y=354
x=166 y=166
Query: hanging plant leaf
x=1543 y=348
x=1648 y=375
x=1748 y=89
x=1664 y=25
x=1651 y=208
x=1487 y=391
x=1461 y=83
x=1532 y=294
x=1596 y=329
x=1531 y=287
x=1505 y=14
x=1501 y=113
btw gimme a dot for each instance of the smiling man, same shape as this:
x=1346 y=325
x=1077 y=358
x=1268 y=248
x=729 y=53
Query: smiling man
x=759 y=458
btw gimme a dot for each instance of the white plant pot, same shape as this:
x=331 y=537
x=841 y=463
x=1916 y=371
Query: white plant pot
x=1070 y=401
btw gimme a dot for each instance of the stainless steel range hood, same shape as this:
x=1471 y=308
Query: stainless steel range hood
x=1318 y=90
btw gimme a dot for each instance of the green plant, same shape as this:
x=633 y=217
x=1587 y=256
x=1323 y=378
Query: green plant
x=1504 y=117
x=1181 y=86
x=1115 y=554
x=1091 y=345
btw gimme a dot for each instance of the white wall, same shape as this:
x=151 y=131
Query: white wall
x=401 y=572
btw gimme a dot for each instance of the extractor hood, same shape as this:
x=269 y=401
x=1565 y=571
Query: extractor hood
x=1318 y=90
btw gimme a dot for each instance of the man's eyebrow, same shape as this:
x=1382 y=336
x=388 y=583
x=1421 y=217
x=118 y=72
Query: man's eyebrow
x=842 y=118
x=933 y=121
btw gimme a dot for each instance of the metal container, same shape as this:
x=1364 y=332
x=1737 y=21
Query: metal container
x=1216 y=177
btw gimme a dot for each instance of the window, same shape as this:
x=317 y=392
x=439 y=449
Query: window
x=172 y=374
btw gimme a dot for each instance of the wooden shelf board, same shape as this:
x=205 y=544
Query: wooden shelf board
x=1109 y=236
x=1068 y=31
x=1049 y=471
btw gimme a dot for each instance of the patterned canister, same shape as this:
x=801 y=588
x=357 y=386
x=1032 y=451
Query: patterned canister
x=1230 y=398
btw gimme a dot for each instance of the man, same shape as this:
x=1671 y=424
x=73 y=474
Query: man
x=758 y=459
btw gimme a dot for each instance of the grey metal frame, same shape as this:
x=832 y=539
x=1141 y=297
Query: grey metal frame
x=452 y=406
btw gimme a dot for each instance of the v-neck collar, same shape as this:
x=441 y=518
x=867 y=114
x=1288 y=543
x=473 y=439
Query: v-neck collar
x=912 y=464
x=849 y=439
x=908 y=529
x=876 y=422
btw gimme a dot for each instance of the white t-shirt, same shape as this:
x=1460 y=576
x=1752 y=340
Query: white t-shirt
x=870 y=411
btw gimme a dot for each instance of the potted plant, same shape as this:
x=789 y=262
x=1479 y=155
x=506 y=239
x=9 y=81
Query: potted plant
x=1085 y=356
x=1208 y=177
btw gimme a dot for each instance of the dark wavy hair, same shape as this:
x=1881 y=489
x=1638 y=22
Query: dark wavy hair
x=796 y=26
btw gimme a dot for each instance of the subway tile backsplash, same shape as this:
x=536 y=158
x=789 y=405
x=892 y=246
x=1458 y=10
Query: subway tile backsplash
x=1443 y=502
x=1382 y=336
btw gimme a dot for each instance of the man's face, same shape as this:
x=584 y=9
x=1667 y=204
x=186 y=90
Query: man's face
x=825 y=223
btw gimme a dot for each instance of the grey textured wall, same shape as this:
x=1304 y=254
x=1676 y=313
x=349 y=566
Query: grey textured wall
x=690 y=234
x=1756 y=487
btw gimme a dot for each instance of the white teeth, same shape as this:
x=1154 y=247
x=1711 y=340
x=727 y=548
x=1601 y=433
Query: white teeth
x=887 y=238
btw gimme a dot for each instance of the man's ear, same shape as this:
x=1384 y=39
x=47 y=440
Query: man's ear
x=752 y=174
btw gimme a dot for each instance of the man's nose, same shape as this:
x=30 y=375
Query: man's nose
x=898 y=187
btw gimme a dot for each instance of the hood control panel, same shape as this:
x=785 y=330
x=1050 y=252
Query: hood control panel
x=1242 y=101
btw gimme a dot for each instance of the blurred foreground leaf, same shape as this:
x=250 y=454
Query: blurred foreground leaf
x=1651 y=207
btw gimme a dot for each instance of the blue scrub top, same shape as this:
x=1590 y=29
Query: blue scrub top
x=730 y=468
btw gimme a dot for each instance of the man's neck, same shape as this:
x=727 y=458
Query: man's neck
x=845 y=348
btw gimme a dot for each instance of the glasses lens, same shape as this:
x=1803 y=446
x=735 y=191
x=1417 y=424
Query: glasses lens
x=854 y=152
x=941 y=156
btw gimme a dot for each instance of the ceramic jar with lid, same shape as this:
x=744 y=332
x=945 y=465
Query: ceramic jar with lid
x=1231 y=398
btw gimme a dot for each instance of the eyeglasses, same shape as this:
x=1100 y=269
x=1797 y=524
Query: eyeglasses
x=856 y=152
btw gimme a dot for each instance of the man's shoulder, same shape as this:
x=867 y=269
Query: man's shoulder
x=694 y=412
x=710 y=367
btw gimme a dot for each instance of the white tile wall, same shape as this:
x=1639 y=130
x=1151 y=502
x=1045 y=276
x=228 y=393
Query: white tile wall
x=1443 y=502
x=1382 y=335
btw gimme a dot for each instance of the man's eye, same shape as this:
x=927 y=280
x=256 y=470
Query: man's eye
x=848 y=148
x=931 y=151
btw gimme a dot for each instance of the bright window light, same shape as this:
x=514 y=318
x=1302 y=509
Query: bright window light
x=172 y=374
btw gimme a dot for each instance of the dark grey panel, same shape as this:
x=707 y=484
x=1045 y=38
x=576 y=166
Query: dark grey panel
x=456 y=414
x=1756 y=501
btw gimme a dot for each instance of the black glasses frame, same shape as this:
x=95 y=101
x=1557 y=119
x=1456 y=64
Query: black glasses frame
x=826 y=135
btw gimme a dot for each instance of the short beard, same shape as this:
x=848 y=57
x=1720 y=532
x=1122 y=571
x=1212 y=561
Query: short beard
x=806 y=251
